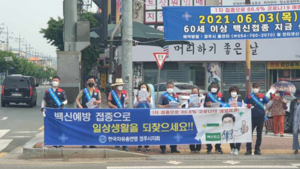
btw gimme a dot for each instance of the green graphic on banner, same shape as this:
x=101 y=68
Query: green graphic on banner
x=213 y=125
x=213 y=136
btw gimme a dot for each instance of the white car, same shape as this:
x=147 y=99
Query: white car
x=183 y=90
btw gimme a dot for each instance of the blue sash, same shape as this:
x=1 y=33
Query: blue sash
x=169 y=97
x=143 y=104
x=215 y=100
x=87 y=94
x=258 y=102
x=117 y=99
x=54 y=97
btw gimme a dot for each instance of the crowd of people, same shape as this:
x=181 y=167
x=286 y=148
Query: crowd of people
x=259 y=104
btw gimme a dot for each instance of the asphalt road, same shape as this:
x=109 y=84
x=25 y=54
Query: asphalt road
x=148 y=164
x=19 y=123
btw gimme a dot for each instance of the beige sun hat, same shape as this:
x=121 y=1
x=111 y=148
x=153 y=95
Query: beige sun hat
x=119 y=81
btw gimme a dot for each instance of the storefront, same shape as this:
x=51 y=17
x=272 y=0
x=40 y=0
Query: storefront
x=284 y=71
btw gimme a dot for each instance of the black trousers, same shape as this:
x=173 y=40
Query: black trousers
x=196 y=147
x=217 y=147
x=173 y=147
x=258 y=123
x=235 y=145
x=142 y=146
x=122 y=147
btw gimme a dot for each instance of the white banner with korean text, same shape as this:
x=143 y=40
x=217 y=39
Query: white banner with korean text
x=216 y=125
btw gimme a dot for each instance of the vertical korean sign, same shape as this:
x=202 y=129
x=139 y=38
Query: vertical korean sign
x=232 y=22
x=160 y=60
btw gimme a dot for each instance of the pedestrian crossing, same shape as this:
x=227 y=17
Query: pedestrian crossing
x=7 y=136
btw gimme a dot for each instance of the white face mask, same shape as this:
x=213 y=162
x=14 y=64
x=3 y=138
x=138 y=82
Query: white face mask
x=120 y=87
x=228 y=126
x=170 y=90
x=55 y=84
x=214 y=90
x=143 y=89
x=255 y=90
x=233 y=94
x=277 y=94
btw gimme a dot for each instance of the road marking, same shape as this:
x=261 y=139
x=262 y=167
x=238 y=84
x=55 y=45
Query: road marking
x=18 y=136
x=174 y=162
x=2 y=154
x=3 y=132
x=4 y=143
x=41 y=128
x=196 y=167
x=231 y=162
x=4 y=118
x=25 y=132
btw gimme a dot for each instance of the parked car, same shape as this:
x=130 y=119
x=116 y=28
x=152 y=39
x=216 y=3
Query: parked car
x=288 y=121
x=183 y=90
x=19 y=89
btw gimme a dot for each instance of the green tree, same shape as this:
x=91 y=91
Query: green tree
x=54 y=35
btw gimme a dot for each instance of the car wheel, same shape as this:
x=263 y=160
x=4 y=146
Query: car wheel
x=3 y=104
x=34 y=103
x=31 y=104
x=288 y=125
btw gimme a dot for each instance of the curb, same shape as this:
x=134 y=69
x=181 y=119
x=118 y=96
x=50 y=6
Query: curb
x=48 y=153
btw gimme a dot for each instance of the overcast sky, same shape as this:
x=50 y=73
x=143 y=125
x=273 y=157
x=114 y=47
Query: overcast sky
x=27 y=17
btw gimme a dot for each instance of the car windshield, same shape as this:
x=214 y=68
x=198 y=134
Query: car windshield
x=185 y=86
x=16 y=82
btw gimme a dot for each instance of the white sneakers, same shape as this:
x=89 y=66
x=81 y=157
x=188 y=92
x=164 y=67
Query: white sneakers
x=234 y=152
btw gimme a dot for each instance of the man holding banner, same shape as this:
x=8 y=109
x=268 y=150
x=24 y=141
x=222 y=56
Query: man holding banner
x=118 y=99
x=256 y=101
x=54 y=97
x=89 y=95
x=169 y=100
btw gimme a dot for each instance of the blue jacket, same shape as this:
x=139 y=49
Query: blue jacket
x=257 y=111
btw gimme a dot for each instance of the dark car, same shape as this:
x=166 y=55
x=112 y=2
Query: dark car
x=19 y=89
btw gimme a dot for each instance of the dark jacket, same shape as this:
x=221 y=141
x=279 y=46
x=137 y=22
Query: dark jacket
x=257 y=111
x=60 y=93
x=219 y=96
x=85 y=100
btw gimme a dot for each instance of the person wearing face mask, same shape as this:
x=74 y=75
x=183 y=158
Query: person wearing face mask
x=88 y=93
x=277 y=109
x=164 y=102
x=235 y=101
x=118 y=99
x=214 y=97
x=257 y=101
x=138 y=103
x=295 y=110
x=194 y=148
x=54 y=97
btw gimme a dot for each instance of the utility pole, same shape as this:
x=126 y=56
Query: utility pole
x=127 y=48
x=20 y=41
x=7 y=38
x=248 y=61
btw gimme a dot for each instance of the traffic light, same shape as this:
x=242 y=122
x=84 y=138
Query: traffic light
x=102 y=18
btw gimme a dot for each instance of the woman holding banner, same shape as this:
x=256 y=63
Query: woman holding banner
x=143 y=100
x=214 y=99
x=118 y=99
x=195 y=102
x=169 y=100
x=235 y=101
